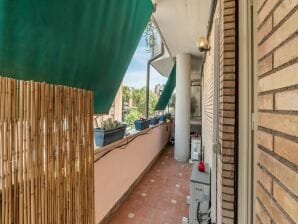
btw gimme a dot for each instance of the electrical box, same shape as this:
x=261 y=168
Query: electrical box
x=199 y=210
x=195 y=148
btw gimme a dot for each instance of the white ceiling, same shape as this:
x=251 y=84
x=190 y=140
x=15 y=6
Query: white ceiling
x=181 y=23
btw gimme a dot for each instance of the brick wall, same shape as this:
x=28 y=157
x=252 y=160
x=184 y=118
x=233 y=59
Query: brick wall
x=277 y=136
x=227 y=127
x=226 y=166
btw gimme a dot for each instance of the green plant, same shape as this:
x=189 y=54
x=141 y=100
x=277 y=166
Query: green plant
x=110 y=124
x=126 y=95
x=131 y=116
x=150 y=34
x=139 y=99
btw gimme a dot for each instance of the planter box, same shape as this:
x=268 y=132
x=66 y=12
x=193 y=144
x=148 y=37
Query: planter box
x=154 y=120
x=142 y=124
x=103 y=138
x=162 y=118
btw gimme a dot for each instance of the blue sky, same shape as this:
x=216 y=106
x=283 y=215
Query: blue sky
x=136 y=73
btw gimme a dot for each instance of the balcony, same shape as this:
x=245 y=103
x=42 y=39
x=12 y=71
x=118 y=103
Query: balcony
x=138 y=180
x=160 y=197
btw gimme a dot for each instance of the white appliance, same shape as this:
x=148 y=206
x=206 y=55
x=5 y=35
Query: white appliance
x=195 y=148
x=199 y=210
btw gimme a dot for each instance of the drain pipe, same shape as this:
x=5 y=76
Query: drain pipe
x=148 y=78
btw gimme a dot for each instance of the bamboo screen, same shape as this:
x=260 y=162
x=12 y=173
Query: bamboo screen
x=46 y=154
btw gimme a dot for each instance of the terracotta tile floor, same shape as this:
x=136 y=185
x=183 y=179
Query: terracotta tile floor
x=160 y=197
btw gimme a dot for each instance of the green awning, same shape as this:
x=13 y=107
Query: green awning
x=83 y=44
x=168 y=90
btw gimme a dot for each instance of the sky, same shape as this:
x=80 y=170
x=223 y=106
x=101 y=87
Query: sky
x=136 y=73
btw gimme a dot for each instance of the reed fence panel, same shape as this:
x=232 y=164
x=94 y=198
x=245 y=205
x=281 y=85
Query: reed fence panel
x=46 y=154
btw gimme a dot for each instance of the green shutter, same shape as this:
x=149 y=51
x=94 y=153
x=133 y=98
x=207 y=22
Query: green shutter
x=84 y=44
x=168 y=90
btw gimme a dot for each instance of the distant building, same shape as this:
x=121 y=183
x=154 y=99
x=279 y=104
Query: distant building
x=115 y=112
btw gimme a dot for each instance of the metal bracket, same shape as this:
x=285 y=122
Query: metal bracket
x=252 y=121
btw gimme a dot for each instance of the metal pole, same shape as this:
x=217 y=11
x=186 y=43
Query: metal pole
x=148 y=78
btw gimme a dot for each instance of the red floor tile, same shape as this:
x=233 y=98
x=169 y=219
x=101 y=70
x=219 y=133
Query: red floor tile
x=157 y=199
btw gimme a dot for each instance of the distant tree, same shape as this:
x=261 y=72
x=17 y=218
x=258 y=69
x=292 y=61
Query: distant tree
x=153 y=98
x=139 y=102
x=139 y=99
x=126 y=95
x=131 y=116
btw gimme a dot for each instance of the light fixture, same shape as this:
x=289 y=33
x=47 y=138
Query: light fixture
x=203 y=44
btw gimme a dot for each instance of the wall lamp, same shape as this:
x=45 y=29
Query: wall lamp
x=203 y=44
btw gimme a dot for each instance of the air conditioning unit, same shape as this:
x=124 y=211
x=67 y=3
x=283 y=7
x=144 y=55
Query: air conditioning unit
x=196 y=148
x=199 y=209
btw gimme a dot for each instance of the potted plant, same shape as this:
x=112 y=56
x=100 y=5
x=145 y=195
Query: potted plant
x=108 y=132
x=154 y=120
x=142 y=124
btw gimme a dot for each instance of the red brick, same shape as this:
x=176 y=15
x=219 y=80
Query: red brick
x=286 y=149
x=287 y=100
x=229 y=47
x=230 y=167
x=228 y=174
x=278 y=169
x=265 y=65
x=282 y=78
x=260 y=3
x=286 y=30
x=280 y=122
x=264 y=178
x=229 y=69
x=228 y=91
x=287 y=202
x=229 y=54
x=229 y=40
x=226 y=220
x=265 y=29
x=270 y=205
x=286 y=52
x=229 y=182
x=262 y=214
x=229 y=11
x=226 y=113
x=228 y=213
x=230 y=4
x=265 y=140
x=283 y=9
x=228 y=205
x=266 y=102
x=229 y=18
x=227 y=190
x=228 y=197
x=265 y=11
x=228 y=106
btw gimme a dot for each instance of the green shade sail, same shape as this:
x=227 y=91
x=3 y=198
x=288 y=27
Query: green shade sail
x=168 y=90
x=83 y=44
